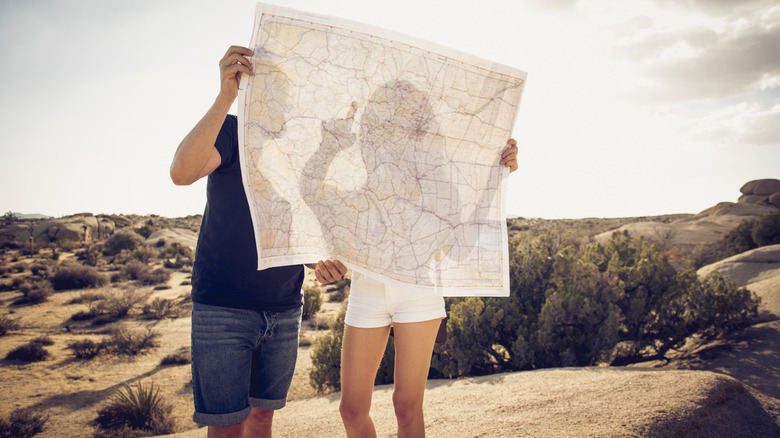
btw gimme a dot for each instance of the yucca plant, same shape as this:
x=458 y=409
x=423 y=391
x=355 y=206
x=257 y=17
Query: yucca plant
x=138 y=407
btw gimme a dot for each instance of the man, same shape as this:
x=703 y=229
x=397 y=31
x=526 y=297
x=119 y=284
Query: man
x=245 y=322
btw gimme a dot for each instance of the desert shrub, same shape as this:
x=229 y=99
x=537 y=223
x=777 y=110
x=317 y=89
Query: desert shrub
x=182 y=356
x=574 y=305
x=90 y=255
x=146 y=230
x=140 y=407
x=145 y=253
x=321 y=322
x=119 y=303
x=340 y=290
x=326 y=358
x=35 y=292
x=325 y=375
x=160 y=308
x=40 y=269
x=86 y=348
x=123 y=240
x=136 y=270
x=71 y=276
x=29 y=352
x=88 y=298
x=7 y=324
x=312 y=301
x=131 y=343
x=23 y=423
x=749 y=234
x=303 y=340
x=43 y=340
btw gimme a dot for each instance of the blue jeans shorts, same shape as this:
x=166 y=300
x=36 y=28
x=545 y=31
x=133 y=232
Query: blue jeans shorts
x=241 y=359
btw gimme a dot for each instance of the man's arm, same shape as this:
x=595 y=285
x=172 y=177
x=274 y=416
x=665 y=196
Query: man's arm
x=196 y=155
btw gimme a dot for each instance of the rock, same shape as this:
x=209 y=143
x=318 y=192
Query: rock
x=761 y=187
x=182 y=236
x=732 y=208
x=753 y=199
x=775 y=200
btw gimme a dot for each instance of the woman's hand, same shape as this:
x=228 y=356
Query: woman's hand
x=509 y=157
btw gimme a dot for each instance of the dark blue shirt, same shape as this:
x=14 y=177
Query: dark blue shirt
x=225 y=269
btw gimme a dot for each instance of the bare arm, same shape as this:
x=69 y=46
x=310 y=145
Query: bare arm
x=196 y=155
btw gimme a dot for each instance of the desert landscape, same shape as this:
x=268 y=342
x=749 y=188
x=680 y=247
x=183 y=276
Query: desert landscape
x=89 y=303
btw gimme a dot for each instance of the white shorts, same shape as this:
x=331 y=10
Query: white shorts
x=373 y=303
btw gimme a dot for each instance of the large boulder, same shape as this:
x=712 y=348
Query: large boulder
x=765 y=187
x=167 y=236
x=775 y=200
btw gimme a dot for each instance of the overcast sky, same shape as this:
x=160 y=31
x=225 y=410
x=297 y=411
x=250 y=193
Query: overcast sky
x=631 y=107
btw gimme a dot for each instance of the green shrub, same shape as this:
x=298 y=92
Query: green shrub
x=124 y=240
x=145 y=253
x=326 y=358
x=23 y=423
x=86 y=348
x=71 y=276
x=312 y=301
x=574 y=305
x=30 y=352
x=7 y=324
x=140 y=407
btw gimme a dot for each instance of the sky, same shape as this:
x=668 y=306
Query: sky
x=630 y=108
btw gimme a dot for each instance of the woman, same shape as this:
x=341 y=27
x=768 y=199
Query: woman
x=374 y=306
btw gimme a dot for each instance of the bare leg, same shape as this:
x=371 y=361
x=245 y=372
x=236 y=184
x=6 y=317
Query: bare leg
x=258 y=425
x=413 y=348
x=361 y=353
x=232 y=431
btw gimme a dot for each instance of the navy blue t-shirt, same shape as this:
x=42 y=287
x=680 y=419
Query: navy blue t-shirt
x=225 y=269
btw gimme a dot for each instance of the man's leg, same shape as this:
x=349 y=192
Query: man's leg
x=361 y=353
x=222 y=343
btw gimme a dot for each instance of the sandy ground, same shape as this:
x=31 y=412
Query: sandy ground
x=728 y=388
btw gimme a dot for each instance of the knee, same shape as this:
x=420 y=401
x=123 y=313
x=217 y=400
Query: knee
x=406 y=407
x=352 y=412
x=261 y=416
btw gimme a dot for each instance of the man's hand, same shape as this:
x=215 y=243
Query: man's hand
x=231 y=67
x=328 y=271
x=509 y=157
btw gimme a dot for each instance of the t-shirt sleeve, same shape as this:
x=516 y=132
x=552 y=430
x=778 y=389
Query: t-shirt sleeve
x=227 y=140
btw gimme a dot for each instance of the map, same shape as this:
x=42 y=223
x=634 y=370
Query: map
x=379 y=150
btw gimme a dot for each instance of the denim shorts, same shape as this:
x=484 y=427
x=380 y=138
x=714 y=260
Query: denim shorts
x=241 y=359
x=373 y=303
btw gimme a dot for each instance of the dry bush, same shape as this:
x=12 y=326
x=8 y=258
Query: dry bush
x=303 y=340
x=182 y=356
x=131 y=343
x=71 y=276
x=89 y=298
x=321 y=321
x=340 y=290
x=7 y=324
x=161 y=308
x=42 y=269
x=36 y=292
x=86 y=348
x=136 y=270
x=23 y=423
x=119 y=303
x=29 y=352
x=141 y=408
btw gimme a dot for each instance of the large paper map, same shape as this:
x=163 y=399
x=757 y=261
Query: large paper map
x=379 y=150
